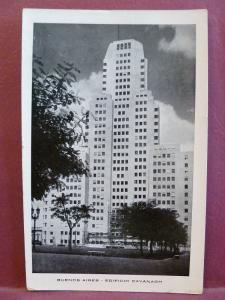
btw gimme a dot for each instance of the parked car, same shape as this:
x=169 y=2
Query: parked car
x=94 y=245
x=129 y=247
x=114 y=246
x=37 y=242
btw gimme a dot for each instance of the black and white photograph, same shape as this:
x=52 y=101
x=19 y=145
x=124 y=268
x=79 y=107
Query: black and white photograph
x=112 y=150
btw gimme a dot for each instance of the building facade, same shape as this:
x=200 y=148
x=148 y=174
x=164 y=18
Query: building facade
x=131 y=130
x=100 y=153
x=52 y=230
x=171 y=182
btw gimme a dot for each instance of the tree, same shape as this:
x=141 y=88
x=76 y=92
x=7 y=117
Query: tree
x=56 y=127
x=169 y=231
x=71 y=215
x=151 y=224
x=177 y=236
x=133 y=220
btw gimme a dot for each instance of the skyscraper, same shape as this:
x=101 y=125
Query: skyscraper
x=124 y=127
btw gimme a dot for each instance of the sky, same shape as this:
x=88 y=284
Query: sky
x=170 y=51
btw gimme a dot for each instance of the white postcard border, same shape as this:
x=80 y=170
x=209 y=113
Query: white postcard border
x=138 y=283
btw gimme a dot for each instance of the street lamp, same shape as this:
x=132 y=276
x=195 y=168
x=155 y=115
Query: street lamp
x=85 y=221
x=34 y=215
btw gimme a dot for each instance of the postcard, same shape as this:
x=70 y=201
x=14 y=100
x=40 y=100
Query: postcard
x=114 y=134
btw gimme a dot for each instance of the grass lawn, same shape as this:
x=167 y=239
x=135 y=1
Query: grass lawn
x=72 y=263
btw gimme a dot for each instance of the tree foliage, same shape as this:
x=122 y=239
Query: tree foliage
x=56 y=127
x=71 y=215
x=151 y=224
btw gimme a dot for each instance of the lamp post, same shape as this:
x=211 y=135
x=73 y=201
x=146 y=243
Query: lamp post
x=34 y=215
x=85 y=231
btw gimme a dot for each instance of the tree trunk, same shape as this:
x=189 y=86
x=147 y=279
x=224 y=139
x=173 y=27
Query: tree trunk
x=165 y=247
x=70 y=239
x=141 y=246
x=177 y=250
x=174 y=249
x=151 y=247
x=125 y=239
x=75 y=237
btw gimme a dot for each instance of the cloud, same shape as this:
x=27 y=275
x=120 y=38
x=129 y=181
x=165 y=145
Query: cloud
x=183 y=41
x=89 y=88
x=174 y=130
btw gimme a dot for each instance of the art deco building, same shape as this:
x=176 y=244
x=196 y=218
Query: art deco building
x=124 y=128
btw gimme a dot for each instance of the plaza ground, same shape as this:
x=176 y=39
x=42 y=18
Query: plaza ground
x=87 y=264
x=107 y=251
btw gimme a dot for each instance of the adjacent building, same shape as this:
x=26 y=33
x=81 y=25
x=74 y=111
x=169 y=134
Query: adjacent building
x=171 y=181
x=52 y=230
